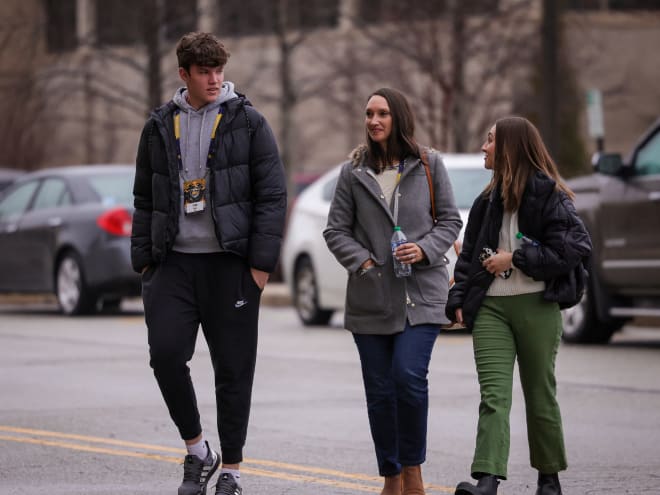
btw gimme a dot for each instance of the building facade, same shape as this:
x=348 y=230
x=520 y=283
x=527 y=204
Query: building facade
x=80 y=76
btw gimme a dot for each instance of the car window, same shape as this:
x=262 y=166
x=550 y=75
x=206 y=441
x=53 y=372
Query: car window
x=467 y=184
x=17 y=200
x=648 y=157
x=329 y=189
x=113 y=188
x=53 y=192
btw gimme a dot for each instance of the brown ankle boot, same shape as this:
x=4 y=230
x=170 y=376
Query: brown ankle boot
x=412 y=483
x=392 y=485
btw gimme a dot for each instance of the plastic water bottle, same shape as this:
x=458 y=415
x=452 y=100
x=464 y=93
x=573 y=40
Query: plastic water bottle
x=398 y=238
x=525 y=239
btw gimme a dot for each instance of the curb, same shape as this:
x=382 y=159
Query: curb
x=20 y=298
x=275 y=295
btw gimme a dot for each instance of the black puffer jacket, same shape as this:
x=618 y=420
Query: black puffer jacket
x=546 y=215
x=247 y=188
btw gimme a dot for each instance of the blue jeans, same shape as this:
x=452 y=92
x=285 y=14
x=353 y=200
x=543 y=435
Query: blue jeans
x=394 y=370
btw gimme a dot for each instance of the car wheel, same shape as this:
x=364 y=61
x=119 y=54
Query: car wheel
x=581 y=322
x=306 y=295
x=73 y=295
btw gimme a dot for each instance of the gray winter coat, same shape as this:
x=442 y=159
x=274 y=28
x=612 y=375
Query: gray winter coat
x=360 y=226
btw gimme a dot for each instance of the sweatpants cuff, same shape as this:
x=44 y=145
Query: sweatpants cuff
x=231 y=456
x=191 y=433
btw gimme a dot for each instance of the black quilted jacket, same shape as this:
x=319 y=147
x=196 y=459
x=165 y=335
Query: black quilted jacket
x=545 y=215
x=247 y=188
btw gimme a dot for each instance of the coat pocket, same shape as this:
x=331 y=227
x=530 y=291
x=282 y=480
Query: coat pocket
x=367 y=293
x=148 y=274
x=432 y=283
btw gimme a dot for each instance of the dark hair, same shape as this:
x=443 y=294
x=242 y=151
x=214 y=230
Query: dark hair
x=519 y=151
x=202 y=49
x=401 y=141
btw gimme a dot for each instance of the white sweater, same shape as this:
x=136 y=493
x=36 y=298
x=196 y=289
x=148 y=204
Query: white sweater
x=387 y=182
x=518 y=282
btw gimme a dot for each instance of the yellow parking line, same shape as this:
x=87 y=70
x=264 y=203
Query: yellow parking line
x=42 y=438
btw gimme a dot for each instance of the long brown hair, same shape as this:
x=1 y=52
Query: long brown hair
x=401 y=141
x=519 y=152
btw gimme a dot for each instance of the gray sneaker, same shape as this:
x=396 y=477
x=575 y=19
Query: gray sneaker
x=197 y=472
x=227 y=485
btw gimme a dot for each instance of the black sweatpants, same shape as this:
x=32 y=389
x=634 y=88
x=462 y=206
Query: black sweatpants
x=217 y=291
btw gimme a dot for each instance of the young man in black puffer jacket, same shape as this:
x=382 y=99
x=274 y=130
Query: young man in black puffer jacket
x=210 y=205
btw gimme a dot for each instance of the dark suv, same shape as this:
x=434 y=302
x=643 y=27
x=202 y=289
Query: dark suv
x=620 y=205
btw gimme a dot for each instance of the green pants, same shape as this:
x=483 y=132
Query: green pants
x=529 y=328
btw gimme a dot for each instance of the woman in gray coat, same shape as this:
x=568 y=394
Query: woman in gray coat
x=395 y=321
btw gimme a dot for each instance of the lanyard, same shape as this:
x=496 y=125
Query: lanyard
x=395 y=214
x=213 y=145
x=399 y=172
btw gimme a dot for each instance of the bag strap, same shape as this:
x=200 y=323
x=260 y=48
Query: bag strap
x=427 y=169
x=247 y=122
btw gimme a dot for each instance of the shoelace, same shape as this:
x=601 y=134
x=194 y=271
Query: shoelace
x=192 y=468
x=227 y=486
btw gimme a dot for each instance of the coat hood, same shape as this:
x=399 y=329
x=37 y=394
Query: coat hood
x=226 y=93
x=358 y=155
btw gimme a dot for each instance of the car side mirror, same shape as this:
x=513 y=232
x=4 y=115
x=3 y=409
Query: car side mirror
x=610 y=164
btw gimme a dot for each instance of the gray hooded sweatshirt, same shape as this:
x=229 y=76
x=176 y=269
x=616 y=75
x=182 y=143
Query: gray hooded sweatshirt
x=196 y=232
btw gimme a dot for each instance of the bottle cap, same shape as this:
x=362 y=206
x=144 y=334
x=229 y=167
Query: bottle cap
x=397 y=228
x=519 y=235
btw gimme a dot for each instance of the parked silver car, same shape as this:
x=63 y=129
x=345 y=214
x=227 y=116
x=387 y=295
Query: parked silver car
x=316 y=280
x=67 y=231
x=7 y=176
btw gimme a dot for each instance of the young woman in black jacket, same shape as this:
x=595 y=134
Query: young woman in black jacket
x=523 y=242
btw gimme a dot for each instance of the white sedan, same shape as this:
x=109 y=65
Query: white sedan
x=316 y=280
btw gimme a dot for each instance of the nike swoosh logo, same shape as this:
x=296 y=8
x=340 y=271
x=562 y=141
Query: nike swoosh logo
x=240 y=303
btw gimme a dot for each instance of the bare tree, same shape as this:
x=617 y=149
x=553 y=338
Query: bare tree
x=458 y=42
x=552 y=98
x=455 y=79
x=549 y=116
x=28 y=116
x=287 y=41
x=152 y=19
x=93 y=82
x=291 y=22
